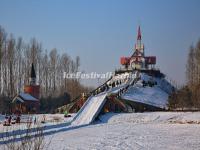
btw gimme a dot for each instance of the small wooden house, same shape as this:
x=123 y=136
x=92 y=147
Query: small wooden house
x=25 y=103
x=28 y=101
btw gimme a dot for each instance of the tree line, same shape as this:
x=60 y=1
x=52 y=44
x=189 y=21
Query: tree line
x=16 y=57
x=188 y=96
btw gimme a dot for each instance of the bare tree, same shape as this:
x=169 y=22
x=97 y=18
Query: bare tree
x=53 y=62
x=2 y=40
x=190 y=67
x=19 y=73
x=16 y=57
x=65 y=61
x=11 y=61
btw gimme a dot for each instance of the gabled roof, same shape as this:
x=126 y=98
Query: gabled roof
x=27 y=96
x=17 y=98
x=137 y=53
x=24 y=97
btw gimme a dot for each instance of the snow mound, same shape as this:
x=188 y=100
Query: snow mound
x=149 y=95
x=156 y=95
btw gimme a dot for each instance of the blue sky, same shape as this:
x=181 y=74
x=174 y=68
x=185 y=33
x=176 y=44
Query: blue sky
x=102 y=31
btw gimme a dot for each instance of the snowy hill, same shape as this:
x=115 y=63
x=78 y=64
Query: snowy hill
x=149 y=95
x=149 y=90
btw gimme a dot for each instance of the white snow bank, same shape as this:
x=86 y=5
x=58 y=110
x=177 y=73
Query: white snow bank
x=154 y=117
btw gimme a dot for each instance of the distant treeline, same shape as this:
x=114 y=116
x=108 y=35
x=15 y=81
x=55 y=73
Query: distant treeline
x=16 y=57
x=188 y=97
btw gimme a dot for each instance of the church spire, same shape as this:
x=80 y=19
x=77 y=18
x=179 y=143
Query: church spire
x=139 y=46
x=33 y=76
x=33 y=71
x=139 y=36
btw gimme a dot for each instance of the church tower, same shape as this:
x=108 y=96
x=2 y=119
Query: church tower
x=139 y=46
x=33 y=89
x=137 y=60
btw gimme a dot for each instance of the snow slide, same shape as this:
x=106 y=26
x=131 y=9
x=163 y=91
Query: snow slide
x=90 y=109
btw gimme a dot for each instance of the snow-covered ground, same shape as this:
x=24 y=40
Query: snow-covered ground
x=50 y=119
x=150 y=130
x=156 y=130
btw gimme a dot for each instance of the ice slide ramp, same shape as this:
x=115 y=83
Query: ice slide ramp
x=90 y=109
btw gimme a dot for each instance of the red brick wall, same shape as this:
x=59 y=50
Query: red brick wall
x=33 y=90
